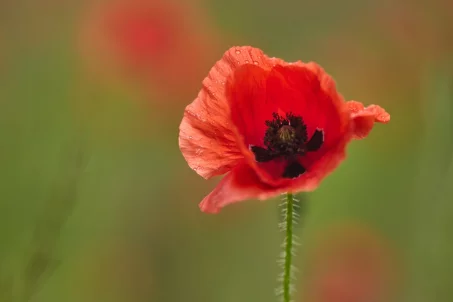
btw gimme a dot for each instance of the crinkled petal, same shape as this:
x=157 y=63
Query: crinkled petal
x=209 y=147
x=363 y=118
x=239 y=184
x=207 y=137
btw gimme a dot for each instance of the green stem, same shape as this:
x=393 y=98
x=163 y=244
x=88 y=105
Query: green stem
x=288 y=246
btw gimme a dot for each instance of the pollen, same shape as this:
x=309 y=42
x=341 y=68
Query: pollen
x=286 y=133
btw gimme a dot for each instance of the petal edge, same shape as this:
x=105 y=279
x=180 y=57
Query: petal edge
x=240 y=184
x=363 y=118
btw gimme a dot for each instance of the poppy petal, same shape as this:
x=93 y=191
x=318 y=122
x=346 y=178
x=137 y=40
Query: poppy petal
x=250 y=108
x=239 y=184
x=327 y=82
x=320 y=168
x=303 y=89
x=307 y=90
x=207 y=145
x=243 y=182
x=363 y=118
x=207 y=138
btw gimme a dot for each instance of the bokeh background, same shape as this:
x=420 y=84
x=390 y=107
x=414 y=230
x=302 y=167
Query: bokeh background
x=97 y=203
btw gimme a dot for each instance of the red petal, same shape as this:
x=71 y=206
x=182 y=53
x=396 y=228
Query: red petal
x=207 y=136
x=306 y=90
x=303 y=89
x=363 y=119
x=250 y=107
x=240 y=184
x=327 y=83
x=321 y=167
x=243 y=182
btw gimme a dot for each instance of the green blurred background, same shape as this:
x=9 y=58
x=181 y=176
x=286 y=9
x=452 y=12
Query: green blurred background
x=98 y=204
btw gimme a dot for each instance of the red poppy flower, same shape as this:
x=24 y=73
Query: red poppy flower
x=159 y=42
x=272 y=126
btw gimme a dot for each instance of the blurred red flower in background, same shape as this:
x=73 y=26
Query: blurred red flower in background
x=275 y=127
x=163 y=44
x=351 y=263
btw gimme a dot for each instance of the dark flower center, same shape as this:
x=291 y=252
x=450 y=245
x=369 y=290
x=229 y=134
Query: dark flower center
x=286 y=138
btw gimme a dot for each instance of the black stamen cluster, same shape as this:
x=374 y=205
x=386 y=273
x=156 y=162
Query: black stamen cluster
x=287 y=138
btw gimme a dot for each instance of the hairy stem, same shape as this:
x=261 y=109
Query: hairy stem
x=287 y=226
x=288 y=248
